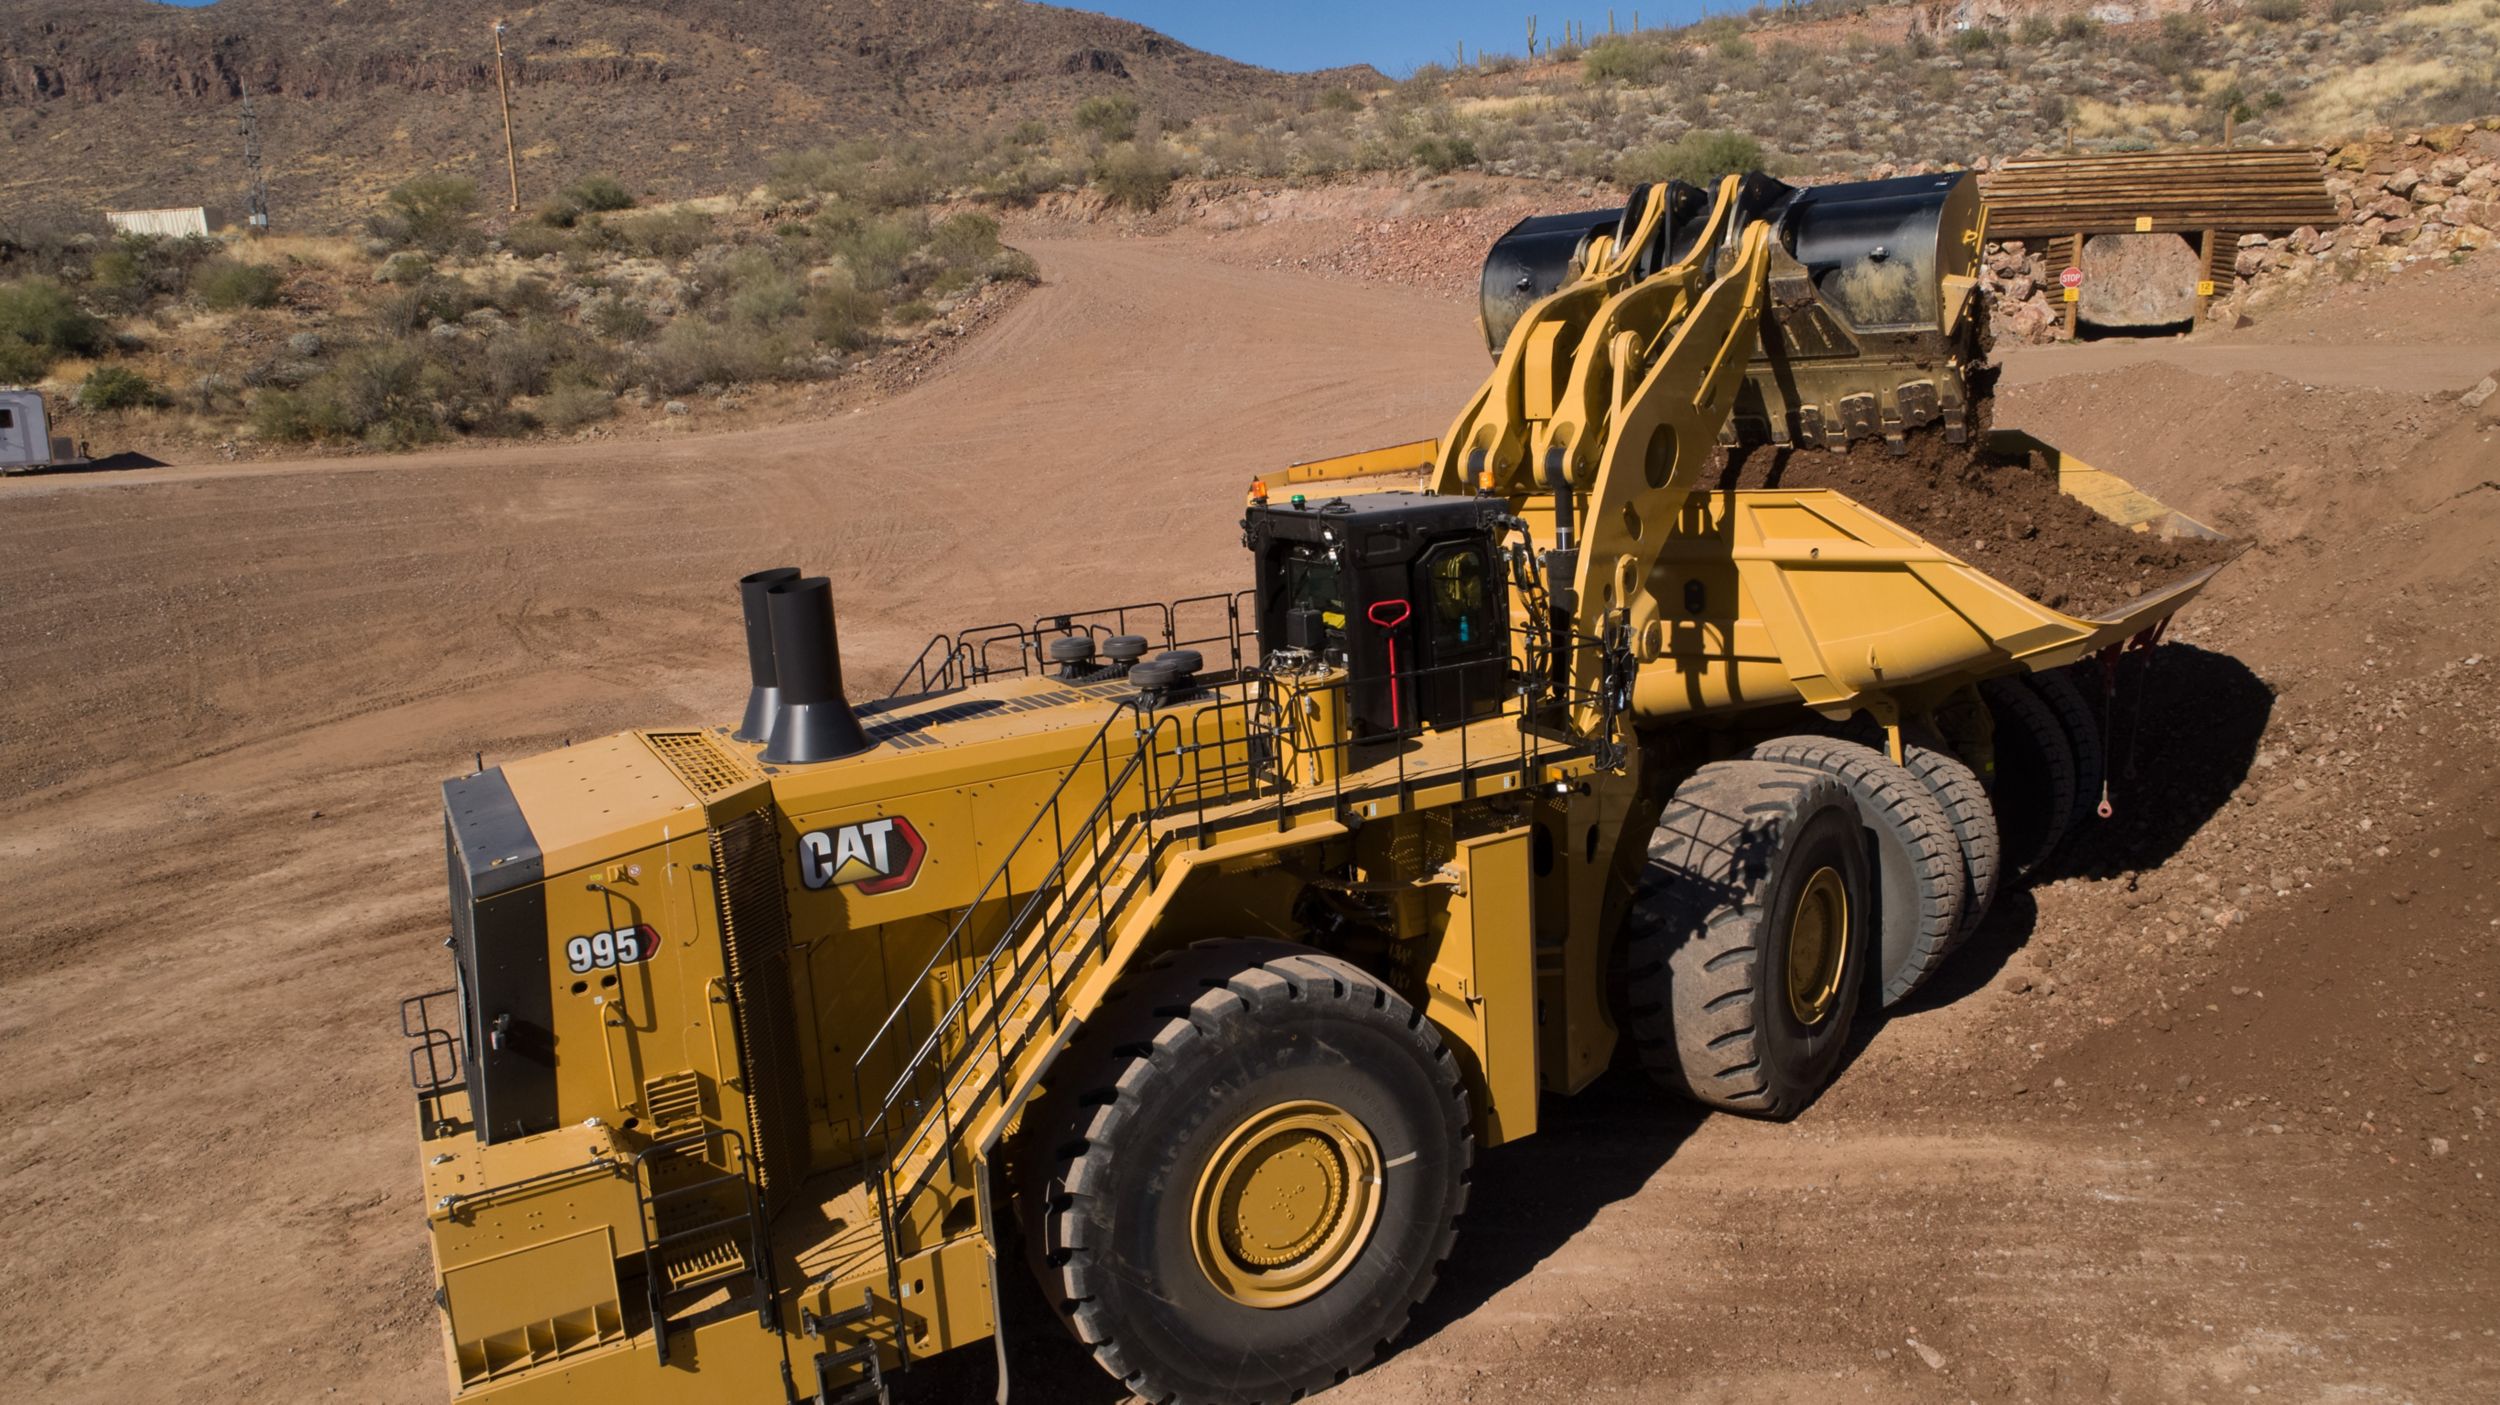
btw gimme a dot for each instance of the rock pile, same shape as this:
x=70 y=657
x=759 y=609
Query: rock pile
x=2401 y=198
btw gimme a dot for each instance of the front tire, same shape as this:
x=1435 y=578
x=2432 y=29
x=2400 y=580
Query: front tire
x=1749 y=938
x=1262 y=1179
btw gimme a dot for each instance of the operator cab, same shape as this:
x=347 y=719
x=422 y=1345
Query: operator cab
x=1403 y=592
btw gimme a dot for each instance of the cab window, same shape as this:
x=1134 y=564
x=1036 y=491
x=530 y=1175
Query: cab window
x=1458 y=595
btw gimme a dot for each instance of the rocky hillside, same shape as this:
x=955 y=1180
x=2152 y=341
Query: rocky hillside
x=128 y=102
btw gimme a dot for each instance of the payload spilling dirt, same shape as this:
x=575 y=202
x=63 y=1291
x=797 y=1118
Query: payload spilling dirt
x=2002 y=513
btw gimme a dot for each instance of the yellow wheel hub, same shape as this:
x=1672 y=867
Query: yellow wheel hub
x=1818 y=947
x=1286 y=1204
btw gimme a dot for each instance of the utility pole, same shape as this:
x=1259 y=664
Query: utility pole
x=256 y=195
x=503 y=91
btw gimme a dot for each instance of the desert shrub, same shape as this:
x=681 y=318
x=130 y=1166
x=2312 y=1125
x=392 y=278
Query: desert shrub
x=1032 y=131
x=2076 y=27
x=407 y=267
x=1014 y=266
x=763 y=297
x=661 y=234
x=840 y=315
x=599 y=194
x=690 y=353
x=1340 y=100
x=2035 y=30
x=809 y=172
x=117 y=388
x=2352 y=9
x=618 y=320
x=22 y=362
x=431 y=212
x=1112 y=117
x=1138 y=177
x=874 y=250
x=434 y=300
x=1622 y=61
x=1441 y=153
x=1023 y=182
x=572 y=406
x=48 y=240
x=1974 y=39
x=40 y=315
x=1697 y=157
x=913 y=313
x=520 y=360
x=538 y=240
x=2278 y=11
x=965 y=239
x=224 y=284
x=895 y=183
x=375 y=393
x=1736 y=48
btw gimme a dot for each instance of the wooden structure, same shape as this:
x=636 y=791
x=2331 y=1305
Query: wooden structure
x=2211 y=196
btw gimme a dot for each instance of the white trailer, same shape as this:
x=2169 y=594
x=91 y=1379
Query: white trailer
x=26 y=441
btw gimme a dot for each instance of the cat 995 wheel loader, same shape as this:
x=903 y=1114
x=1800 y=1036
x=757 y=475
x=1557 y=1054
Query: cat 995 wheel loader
x=1185 y=955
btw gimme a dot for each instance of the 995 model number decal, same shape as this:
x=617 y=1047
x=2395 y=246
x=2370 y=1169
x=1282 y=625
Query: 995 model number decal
x=601 y=950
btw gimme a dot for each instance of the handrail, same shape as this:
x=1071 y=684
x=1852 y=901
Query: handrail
x=1252 y=739
x=954 y=660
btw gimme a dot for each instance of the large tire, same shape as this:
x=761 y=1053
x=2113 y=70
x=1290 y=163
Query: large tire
x=2034 y=785
x=1234 y=1084
x=1725 y=1004
x=1964 y=800
x=2081 y=724
x=1919 y=876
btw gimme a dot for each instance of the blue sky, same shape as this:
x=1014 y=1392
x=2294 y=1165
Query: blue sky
x=1391 y=35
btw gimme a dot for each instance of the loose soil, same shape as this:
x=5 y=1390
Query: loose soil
x=2208 y=1115
x=2001 y=513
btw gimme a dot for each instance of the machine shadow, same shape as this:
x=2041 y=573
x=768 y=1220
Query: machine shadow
x=1528 y=1199
x=1524 y=1202
x=2190 y=747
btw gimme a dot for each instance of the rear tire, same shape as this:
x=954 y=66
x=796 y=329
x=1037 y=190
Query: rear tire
x=2082 y=727
x=1748 y=937
x=1916 y=866
x=1964 y=800
x=1261 y=1177
x=2034 y=786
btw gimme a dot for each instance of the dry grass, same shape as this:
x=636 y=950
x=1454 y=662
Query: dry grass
x=2143 y=121
x=2373 y=93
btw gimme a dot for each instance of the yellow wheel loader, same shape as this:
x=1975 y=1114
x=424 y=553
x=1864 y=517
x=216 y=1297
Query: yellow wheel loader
x=1184 y=955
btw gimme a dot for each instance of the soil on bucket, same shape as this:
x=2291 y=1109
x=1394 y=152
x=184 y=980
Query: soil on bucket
x=2001 y=513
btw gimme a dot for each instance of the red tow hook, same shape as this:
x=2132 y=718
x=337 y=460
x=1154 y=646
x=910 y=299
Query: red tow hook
x=1389 y=614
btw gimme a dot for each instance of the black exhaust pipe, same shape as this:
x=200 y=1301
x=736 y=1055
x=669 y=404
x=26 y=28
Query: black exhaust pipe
x=814 y=721
x=764 y=690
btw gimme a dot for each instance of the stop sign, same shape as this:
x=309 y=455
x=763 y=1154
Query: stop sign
x=2071 y=278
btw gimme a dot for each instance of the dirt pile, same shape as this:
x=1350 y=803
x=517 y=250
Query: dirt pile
x=2002 y=514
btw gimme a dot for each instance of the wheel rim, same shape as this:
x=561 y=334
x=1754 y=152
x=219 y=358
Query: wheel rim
x=1818 y=947
x=1286 y=1204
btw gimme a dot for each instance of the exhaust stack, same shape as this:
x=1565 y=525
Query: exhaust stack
x=814 y=721
x=764 y=680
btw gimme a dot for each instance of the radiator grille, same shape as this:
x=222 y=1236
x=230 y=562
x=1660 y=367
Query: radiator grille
x=755 y=930
x=703 y=764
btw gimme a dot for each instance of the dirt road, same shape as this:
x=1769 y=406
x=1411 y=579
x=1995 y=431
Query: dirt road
x=2218 y=1141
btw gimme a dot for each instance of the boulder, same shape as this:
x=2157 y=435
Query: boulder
x=2429 y=193
x=2403 y=182
x=2140 y=280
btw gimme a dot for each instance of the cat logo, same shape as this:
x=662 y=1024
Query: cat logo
x=874 y=856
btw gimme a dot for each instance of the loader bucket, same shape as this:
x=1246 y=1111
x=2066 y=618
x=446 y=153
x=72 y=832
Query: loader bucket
x=1873 y=327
